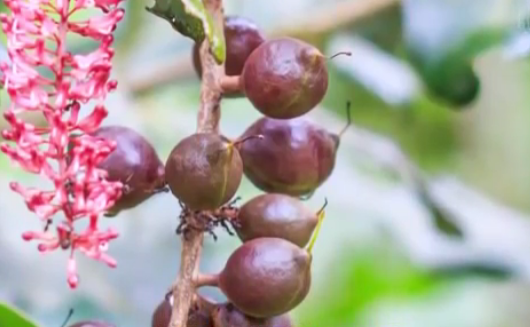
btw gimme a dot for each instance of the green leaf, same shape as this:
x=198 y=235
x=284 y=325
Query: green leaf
x=449 y=75
x=10 y=316
x=191 y=19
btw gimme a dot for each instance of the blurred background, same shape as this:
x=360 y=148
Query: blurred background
x=428 y=222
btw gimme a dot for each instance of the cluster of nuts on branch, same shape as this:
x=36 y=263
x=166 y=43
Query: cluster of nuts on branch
x=267 y=276
x=282 y=154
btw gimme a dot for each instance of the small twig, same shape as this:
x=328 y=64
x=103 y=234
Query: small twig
x=348 y=119
x=206 y=280
x=338 y=54
x=207 y=122
x=68 y=317
x=230 y=84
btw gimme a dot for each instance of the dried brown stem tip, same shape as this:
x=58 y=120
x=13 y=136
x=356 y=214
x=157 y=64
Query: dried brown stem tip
x=342 y=53
x=68 y=317
x=207 y=221
x=348 y=119
x=247 y=138
x=323 y=206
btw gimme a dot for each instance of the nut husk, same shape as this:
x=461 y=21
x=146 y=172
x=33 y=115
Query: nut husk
x=285 y=78
x=204 y=171
x=276 y=215
x=227 y=315
x=294 y=157
x=266 y=277
x=135 y=163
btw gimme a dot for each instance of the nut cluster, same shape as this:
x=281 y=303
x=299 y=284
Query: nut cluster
x=283 y=154
x=109 y=169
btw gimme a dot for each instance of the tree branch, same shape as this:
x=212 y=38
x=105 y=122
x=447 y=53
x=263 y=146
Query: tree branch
x=207 y=122
x=184 y=289
x=334 y=17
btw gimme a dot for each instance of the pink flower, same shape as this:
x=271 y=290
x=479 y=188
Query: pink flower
x=36 y=33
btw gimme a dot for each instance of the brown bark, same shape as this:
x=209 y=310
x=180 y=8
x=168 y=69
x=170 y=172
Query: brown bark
x=207 y=122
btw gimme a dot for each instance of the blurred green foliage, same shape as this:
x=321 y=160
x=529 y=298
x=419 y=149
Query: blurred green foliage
x=10 y=316
x=362 y=278
x=424 y=128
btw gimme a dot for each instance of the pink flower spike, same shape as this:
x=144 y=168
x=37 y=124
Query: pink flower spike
x=37 y=39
